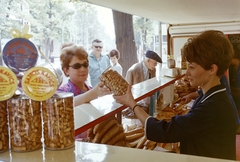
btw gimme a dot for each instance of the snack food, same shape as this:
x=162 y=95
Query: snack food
x=116 y=138
x=111 y=133
x=24 y=124
x=58 y=121
x=102 y=132
x=114 y=81
x=4 y=139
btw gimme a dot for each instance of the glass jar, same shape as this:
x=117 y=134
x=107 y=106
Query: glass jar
x=25 y=124
x=56 y=70
x=58 y=119
x=183 y=63
x=4 y=139
x=171 y=63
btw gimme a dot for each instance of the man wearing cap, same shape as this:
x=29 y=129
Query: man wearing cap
x=143 y=70
x=140 y=72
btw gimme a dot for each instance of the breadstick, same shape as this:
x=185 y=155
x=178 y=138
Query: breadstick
x=134 y=131
x=111 y=132
x=120 y=143
x=131 y=127
x=102 y=131
x=134 y=143
x=152 y=147
x=116 y=138
x=90 y=133
x=100 y=125
x=150 y=144
x=141 y=142
x=134 y=136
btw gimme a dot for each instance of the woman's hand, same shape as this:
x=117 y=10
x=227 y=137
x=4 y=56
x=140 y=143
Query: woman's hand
x=102 y=90
x=126 y=99
x=189 y=97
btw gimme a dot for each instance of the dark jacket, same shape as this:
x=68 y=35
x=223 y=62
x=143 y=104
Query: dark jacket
x=208 y=129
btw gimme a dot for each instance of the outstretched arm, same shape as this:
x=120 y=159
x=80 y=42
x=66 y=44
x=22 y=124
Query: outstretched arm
x=129 y=101
x=190 y=96
x=97 y=91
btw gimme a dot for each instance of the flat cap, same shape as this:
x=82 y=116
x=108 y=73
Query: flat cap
x=153 y=55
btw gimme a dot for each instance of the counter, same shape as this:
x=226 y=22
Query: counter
x=89 y=114
x=90 y=152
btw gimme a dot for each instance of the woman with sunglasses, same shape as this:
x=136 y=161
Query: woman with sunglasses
x=74 y=62
x=209 y=128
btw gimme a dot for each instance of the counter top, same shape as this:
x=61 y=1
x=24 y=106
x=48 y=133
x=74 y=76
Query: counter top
x=90 y=152
x=89 y=114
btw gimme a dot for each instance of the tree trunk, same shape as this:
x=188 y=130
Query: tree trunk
x=125 y=40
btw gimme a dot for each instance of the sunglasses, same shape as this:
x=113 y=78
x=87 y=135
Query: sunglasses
x=78 y=66
x=98 y=47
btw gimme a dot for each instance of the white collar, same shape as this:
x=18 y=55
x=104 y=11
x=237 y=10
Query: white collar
x=220 y=90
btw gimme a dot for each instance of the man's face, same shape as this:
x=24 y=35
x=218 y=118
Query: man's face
x=97 y=47
x=152 y=64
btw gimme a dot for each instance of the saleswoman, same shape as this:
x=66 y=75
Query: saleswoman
x=209 y=129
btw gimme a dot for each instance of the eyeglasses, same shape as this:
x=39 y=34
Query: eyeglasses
x=78 y=66
x=98 y=47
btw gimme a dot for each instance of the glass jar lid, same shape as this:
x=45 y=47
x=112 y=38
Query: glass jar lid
x=8 y=83
x=39 y=83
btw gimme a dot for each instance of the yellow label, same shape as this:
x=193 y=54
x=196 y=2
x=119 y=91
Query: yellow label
x=8 y=83
x=39 y=83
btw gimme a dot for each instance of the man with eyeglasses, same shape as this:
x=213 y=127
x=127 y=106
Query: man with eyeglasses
x=97 y=62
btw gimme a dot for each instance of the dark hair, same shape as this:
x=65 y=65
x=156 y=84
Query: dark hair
x=68 y=51
x=114 y=52
x=97 y=41
x=236 y=52
x=208 y=48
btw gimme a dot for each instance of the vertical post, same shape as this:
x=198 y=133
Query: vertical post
x=159 y=71
x=160 y=38
x=152 y=105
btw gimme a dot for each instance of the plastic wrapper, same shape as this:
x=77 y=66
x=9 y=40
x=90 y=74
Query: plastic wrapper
x=114 y=81
x=24 y=124
x=4 y=139
x=58 y=121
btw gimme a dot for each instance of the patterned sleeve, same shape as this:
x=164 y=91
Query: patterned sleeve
x=65 y=88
